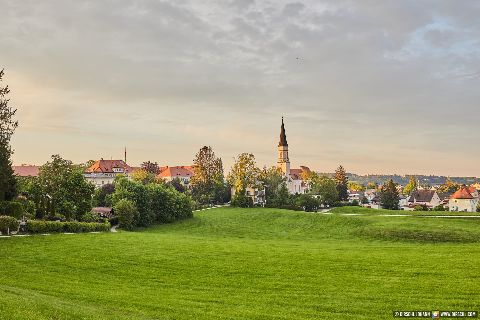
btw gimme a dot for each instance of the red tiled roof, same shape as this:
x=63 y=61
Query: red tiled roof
x=296 y=174
x=106 y=166
x=472 y=189
x=462 y=193
x=178 y=171
x=26 y=170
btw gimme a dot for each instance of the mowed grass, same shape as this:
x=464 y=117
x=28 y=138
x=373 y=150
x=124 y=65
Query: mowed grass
x=246 y=264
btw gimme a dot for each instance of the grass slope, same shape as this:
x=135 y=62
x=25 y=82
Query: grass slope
x=246 y=264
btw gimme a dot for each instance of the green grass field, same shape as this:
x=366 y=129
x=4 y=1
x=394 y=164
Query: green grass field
x=246 y=264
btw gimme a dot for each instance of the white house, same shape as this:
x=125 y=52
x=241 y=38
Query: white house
x=464 y=200
x=424 y=197
x=104 y=171
x=184 y=173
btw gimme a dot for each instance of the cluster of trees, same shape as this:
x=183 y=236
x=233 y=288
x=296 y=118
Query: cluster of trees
x=140 y=204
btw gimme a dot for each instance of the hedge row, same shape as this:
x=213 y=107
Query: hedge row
x=8 y=224
x=40 y=226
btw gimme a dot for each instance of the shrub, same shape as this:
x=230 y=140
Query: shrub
x=11 y=208
x=355 y=203
x=307 y=202
x=90 y=217
x=241 y=200
x=8 y=224
x=40 y=226
x=126 y=212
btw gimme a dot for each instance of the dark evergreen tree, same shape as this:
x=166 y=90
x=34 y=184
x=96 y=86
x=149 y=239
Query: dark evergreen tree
x=151 y=167
x=8 y=125
x=341 y=180
x=389 y=196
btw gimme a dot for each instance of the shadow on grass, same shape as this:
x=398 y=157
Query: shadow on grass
x=417 y=235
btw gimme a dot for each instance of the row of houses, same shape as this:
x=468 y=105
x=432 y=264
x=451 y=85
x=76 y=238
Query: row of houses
x=465 y=199
x=103 y=172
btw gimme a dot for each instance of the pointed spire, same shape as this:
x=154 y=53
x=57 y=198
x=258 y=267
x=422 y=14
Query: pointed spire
x=283 y=136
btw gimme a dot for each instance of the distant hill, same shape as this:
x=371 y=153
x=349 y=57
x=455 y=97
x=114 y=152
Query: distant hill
x=403 y=180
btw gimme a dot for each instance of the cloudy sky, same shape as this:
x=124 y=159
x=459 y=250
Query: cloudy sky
x=378 y=86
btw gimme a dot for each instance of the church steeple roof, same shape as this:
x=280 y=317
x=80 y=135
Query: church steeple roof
x=283 y=136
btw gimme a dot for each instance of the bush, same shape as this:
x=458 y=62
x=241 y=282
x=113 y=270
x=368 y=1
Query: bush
x=355 y=203
x=242 y=200
x=8 y=224
x=40 y=226
x=126 y=212
x=90 y=217
x=11 y=208
x=307 y=202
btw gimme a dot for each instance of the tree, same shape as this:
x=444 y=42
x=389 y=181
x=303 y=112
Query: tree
x=177 y=184
x=341 y=182
x=102 y=195
x=449 y=186
x=63 y=189
x=244 y=173
x=143 y=176
x=273 y=180
x=326 y=188
x=126 y=213
x=7 y=128
x=355 y=186
x=151 y=167
x=207 y=182
x=307 y=202
x=411 y=186
x=372 y=185
x=389 y=196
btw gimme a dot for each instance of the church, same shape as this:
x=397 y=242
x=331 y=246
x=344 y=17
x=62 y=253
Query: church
x=295 y=183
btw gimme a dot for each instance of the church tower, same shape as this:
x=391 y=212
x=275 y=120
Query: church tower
x=283 y=160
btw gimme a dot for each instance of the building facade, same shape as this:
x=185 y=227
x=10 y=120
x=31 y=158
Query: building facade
x=104 y=171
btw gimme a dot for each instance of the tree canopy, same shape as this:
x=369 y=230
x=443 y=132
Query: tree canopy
x=7 y=127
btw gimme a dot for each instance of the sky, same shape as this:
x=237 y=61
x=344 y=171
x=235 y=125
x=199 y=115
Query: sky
x=377 y=86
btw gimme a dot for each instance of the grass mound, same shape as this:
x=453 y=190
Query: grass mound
x=245 y=264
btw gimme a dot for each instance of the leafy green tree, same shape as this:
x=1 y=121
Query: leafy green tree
x=137 y=193
x=273 y=180
x=411 y=186
x=326 y=188
x=341 y=181
x=101 y=195
x=307 y=202
x=126 y=212
x=177 y=184
x=208 y=181
x=389 y=196
x=7 y=127
x=64 y=188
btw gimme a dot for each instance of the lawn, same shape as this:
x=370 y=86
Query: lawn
x=246 y=264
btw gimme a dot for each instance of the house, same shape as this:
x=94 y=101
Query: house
x=354 y=195
x=463 y=200
x=104 y=171
x=184 y=173
x=26 y=170
x=424 y=197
